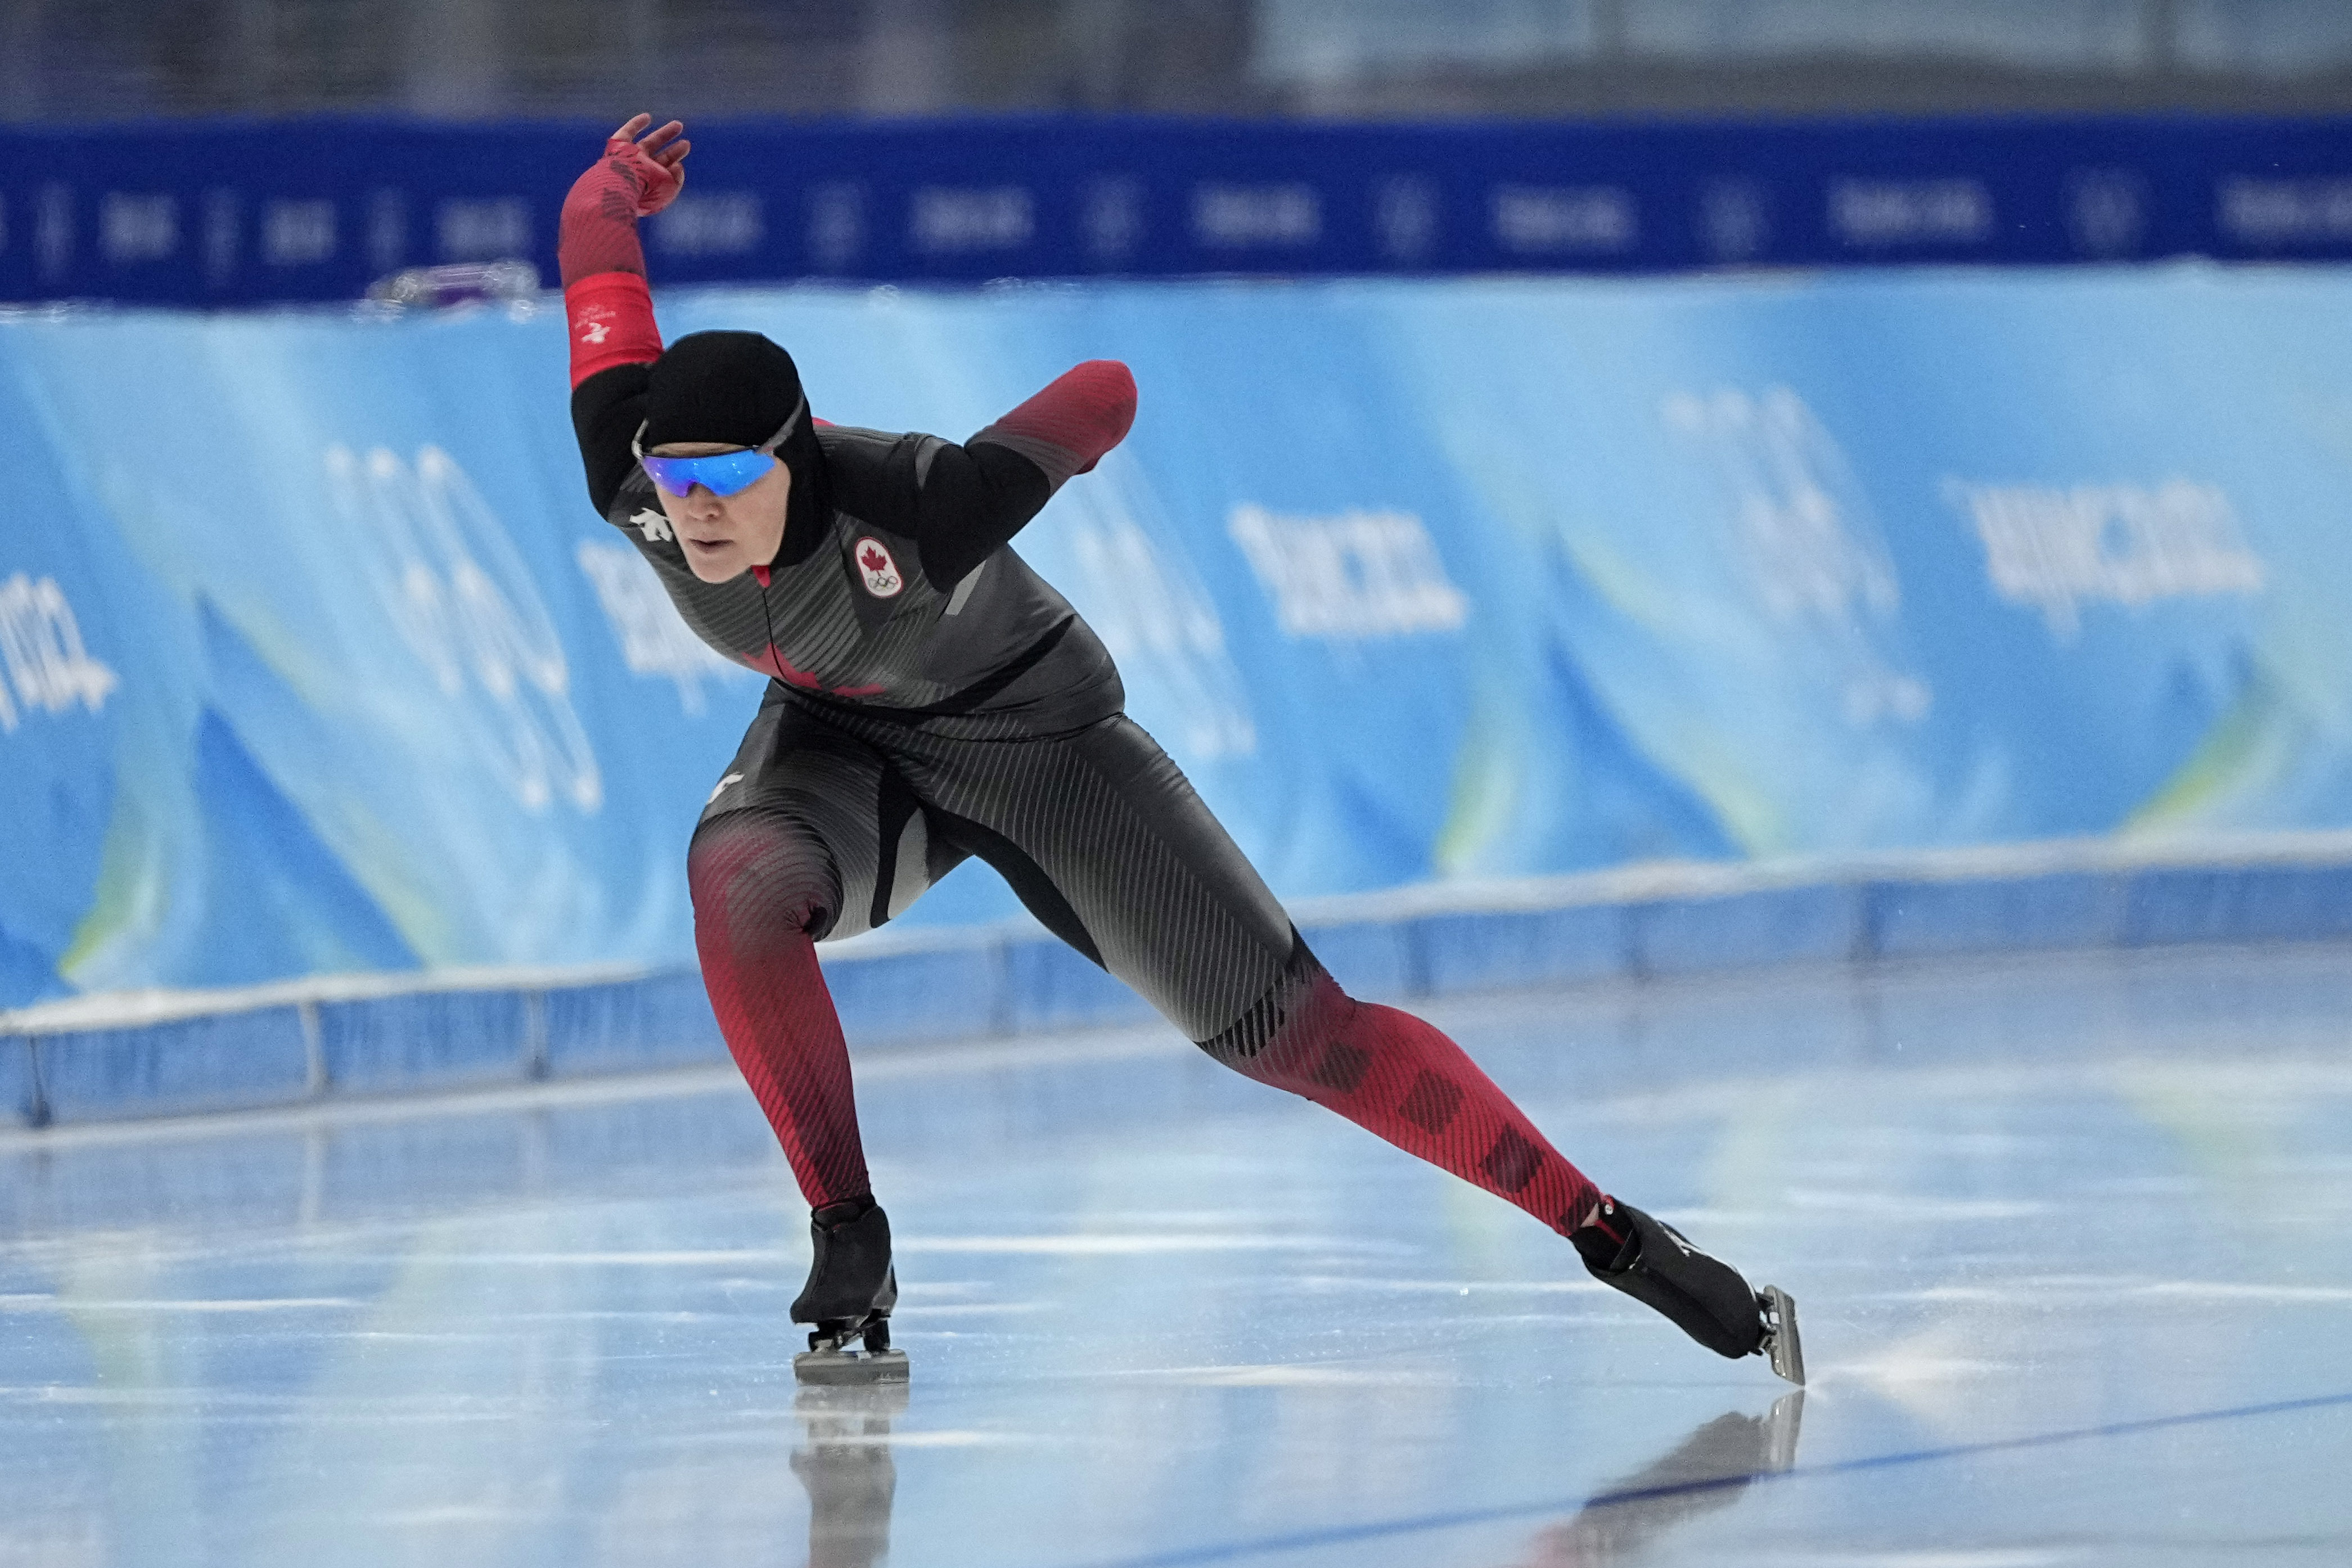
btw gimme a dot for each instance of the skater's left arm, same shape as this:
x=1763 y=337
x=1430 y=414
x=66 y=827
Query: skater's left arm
x=971 y=498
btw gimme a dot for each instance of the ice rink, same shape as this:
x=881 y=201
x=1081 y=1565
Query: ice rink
x=2072 y=1240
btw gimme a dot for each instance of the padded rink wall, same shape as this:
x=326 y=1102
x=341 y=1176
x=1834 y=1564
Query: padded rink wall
x=1767 y=611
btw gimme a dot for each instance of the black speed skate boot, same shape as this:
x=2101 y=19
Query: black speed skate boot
x=1653 y=1263
x=847 y=1299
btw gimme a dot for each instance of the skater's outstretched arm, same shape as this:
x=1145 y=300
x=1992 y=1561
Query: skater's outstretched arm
x=961 y=504
x=974 y=498
x=608 y=310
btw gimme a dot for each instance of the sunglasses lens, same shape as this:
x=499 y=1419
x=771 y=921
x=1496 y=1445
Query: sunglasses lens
x=724 y=475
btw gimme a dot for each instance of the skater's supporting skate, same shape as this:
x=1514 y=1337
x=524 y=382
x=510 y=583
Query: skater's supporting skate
x=933 y=698
x=852 y=1285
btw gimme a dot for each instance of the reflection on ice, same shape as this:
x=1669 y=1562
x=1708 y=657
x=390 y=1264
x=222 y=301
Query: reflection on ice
x=846 y=1463
x=1708 y=1471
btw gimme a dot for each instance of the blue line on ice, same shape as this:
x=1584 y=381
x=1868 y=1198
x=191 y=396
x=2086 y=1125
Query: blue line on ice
x=1265 y=1546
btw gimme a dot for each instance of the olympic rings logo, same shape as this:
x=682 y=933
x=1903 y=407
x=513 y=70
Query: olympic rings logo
x=446 y=571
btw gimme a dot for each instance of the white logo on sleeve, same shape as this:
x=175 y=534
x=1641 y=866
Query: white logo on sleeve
x=873 y=564
x=654 y=525
x=729 y=779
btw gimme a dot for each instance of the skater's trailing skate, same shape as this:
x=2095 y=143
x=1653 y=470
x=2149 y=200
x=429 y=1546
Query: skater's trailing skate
x=1706 y=1299
x=850 y=1292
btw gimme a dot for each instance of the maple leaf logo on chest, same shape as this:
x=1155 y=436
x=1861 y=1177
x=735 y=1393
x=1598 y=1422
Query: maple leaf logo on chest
x=874 y=566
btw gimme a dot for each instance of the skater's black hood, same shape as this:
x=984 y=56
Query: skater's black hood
x=740 y=388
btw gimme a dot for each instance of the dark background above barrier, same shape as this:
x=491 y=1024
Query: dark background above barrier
x=240 y=213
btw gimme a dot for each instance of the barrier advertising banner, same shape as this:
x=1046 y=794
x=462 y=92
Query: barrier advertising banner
x=312 y=656
x=238 y=212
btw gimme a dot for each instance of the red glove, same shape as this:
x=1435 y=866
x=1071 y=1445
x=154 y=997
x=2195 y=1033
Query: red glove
x=639 y=175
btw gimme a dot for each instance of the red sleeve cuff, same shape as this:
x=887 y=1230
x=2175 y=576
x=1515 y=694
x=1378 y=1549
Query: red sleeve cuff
x=609 y=319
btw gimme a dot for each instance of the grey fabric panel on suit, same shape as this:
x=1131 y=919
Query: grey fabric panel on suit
x=828 y=788
x=1098 y=821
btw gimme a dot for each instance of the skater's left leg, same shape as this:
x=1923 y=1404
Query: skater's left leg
x=1400 y=1078
x=1107 y=844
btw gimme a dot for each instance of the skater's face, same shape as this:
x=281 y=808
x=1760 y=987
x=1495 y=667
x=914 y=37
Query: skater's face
x=725 y=536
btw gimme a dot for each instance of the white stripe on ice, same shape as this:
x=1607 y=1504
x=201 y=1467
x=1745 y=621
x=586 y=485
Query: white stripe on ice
x=1083 y=1245
x=2218 y=1290
x=73 y=1304
x=1907 y=1205
x=746 y=1256
x=944 y=1439
x=1296 y=1374
x=2045 y=1289
x=1456 y=1288
x=1995 y=1558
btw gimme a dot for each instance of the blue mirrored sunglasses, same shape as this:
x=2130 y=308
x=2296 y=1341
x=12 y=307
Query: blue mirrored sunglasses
x=722 y=473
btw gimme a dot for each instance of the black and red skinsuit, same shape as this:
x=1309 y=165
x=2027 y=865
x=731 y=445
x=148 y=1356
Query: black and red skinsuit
x=932 y=698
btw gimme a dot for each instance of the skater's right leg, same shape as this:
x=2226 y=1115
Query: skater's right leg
x=809 y=835
x=760 y=883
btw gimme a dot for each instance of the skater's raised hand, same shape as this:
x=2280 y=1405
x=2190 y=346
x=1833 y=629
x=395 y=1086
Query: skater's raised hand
x=639 y=173
x=649 y=165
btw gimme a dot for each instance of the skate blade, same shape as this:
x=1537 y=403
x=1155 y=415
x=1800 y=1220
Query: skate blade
x=837 y=1367
x=1781 y=1343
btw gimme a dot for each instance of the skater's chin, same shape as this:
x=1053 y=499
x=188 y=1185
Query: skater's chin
x=716 y=560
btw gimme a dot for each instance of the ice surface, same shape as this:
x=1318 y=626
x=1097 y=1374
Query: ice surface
x=2072 y=1240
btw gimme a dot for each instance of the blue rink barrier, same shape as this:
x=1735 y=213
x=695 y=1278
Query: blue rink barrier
x=105 y=1059
x=331 y=670
x=242 y=213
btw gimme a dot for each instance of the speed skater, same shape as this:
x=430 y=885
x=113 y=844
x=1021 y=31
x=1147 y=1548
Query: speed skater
x=931 y=698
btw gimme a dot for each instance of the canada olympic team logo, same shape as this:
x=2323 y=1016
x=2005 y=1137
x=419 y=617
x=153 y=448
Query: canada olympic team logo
x=873 y=564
